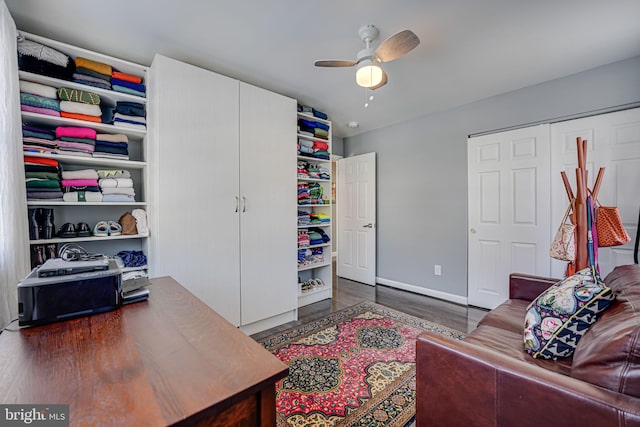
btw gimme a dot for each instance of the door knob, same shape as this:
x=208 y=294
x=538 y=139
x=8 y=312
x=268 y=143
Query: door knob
x=473 y=231
x=368 y=225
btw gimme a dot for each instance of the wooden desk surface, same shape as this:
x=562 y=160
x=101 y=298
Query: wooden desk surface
x=167 y=360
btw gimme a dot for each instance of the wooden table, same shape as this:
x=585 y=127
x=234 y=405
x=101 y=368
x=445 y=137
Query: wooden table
x=170 y=360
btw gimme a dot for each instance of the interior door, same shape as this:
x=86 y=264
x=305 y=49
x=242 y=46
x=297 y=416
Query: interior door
x=509 y=204
x=613 y=142
x=357 y=218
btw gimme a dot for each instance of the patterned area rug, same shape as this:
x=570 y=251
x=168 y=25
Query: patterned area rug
x=355 y=367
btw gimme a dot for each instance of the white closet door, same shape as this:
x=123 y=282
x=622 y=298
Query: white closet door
x=268 y=204
x=509 y=204
x=195 y=162
x=613 y=142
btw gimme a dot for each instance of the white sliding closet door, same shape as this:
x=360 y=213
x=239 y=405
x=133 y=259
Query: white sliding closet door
x=613 y=142
x=509 y=208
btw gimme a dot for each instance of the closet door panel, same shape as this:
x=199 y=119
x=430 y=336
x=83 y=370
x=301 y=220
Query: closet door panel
x=268 y=213
x=196 y=161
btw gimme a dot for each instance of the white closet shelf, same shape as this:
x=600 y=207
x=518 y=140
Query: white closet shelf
x=311 y=117
x=322 y=245
x=312 y=266
x=314 y=138
x=43 y=119
x=324 y=224
x=63 y=203
x=315 y=205
x=85 y=239
x=313 y=180
x=91 y=161
x=108 y=95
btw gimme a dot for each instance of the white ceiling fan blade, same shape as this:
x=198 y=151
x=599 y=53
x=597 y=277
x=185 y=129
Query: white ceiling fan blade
x=383 y=82
x=397 y=45
x=335 y=63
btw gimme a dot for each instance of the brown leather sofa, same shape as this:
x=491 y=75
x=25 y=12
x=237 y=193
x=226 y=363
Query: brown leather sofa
x=487 y=379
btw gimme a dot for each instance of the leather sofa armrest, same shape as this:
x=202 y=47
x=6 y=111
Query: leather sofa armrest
x=528 y=287
x=463 y=384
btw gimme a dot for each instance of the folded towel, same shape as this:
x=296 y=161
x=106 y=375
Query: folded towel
x=113 y=173
x=118 y=137
x=126 y=77
x=100 y=154
x=98 y=85
x=80 y=108
x=118 y=198
x=124 y=89
x=98 y=67
x=76 y=146
x=38 y=133
x=125 y=124
x=75 y=95
x=82 y=196
x=80 y=174
x=84 y=117
x=41 y=161
x=45 y=175
x=130 y=108
x=42 y=183
x=99 y=143
x=39 y=101
x=135 y=86
x=116 y=182
x=37 y=194
x=81 y=140
x=119 y=190
x=38 y=89
x=102 y=78
x=78 y=132
x=129 y=119
x=42 y=52
x=47 y=111
x=87 y=78
x=79 y=182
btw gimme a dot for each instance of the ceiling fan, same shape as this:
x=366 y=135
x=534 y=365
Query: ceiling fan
x=370 y=74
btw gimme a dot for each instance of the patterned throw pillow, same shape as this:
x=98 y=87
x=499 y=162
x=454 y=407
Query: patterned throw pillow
x=561 y=315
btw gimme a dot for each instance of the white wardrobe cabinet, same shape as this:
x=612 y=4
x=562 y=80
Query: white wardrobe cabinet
x=224 y=217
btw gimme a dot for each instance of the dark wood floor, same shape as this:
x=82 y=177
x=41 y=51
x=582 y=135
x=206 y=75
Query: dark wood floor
x=347 y=293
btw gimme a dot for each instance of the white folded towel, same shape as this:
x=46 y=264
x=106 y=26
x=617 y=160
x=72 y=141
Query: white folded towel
x=80 y=108
x=38 y=89
x=116 y=183
x=88 y=196
x=119 y=190
x=81 y=174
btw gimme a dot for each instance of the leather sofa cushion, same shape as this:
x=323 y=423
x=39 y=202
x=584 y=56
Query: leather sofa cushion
x=508 y=315
x=510 y=344
x=608 y=355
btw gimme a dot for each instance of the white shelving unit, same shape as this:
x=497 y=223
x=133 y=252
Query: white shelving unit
x=92 y=212
x=322 y=270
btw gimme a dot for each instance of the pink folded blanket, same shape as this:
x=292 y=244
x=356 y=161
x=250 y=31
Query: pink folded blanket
x=39 y=110
x=79 y=182
x=76 y=132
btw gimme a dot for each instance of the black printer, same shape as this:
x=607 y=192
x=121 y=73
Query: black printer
x=67 y=294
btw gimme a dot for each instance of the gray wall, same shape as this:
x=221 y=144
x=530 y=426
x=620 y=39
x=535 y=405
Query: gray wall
x=422 y=169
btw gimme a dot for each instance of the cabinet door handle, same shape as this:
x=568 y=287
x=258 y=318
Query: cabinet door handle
x=244 y=204
x=237 y=203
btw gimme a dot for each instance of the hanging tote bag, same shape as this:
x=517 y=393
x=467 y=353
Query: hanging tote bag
x=609 y=226
x=563 y=246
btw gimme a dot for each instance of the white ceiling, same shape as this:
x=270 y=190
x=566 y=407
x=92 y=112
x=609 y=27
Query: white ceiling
x=469 y=50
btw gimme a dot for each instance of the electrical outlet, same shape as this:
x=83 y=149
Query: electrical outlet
x=437 y=270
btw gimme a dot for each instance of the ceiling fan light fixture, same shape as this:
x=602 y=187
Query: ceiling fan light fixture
x=369 y=73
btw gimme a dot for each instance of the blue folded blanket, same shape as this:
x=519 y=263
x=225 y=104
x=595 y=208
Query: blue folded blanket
x=129 y=108
x=135 y=86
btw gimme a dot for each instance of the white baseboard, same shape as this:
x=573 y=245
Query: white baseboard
x=423 y=291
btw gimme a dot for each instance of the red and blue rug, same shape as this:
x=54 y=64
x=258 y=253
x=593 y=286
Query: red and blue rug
x=355 y=367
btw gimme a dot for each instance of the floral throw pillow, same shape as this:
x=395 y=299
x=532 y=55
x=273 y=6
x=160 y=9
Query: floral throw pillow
x=560 y=316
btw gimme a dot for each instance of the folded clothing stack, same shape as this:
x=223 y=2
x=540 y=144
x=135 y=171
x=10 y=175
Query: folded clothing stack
x=304 y=217
x=37 y=58
x=42 y=178
x=303 y=238
x=319 y=218
x=77 y=141
x=79 y=104
x=130 y=115
x=39 y=98
x=92 y=73
x=37 y=139
x=310 y=256
x=313 y=128
x=127 y=83
x=320 y=150
x=305 y=147
x=303 y=194
x=315 y=193
x=313 y=111
x=81 y=186
x=317 y=236
x=116 y=185
x=312 y=170
x=112 y=146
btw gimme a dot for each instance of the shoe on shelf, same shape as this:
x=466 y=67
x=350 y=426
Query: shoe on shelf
x=48 y=226
x=34 y=227
x=101 y=229
x=115 y=229
x=83 y=229
x=67 y=230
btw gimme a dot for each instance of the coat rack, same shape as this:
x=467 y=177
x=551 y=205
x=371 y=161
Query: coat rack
x=579 y=217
